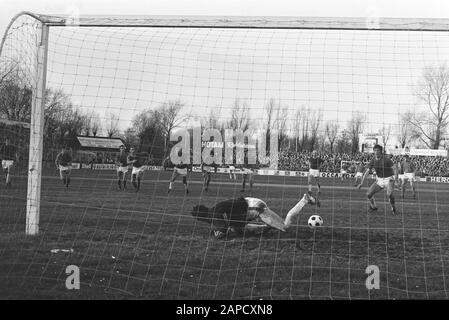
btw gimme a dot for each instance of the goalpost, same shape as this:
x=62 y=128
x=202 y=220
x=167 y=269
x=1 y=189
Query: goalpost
x=44 y=23
x=297 y=76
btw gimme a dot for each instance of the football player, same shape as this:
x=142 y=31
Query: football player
x=386 y=178
x=180 y=169
x=8 y=157
x=238 y=216
x=122 y=167
x=63 y=163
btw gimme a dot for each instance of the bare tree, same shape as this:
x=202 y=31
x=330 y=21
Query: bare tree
x=331 y=131
x=112 y=125
x=432 y=91
x=385 y=133
x=168 y=117
x=355 y=128
x=406 y=132
x=239 y=115
x=296 y=123
x=315 y=121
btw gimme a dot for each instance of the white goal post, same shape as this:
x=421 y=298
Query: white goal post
x=47 y=22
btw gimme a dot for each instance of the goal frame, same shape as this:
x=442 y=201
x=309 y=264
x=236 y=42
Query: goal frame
x=257 y=22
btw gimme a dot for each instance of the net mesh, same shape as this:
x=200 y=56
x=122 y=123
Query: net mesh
x=320 y=89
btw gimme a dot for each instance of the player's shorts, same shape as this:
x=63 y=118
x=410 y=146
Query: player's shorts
x=343 y=171
x=122 y=169
x=384 y=182
x=138 y=171
x=247 y=171
x=178 y=171
x=231 y=168
x=401 y=176
x=66 y=168
x=314 y=173
x=7 y=164
x=409 y=176
x=359 y=174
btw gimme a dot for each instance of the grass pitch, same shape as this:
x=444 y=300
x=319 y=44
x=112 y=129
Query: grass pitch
x=147 y=246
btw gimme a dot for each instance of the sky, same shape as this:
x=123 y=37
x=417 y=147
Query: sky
x=334 y=72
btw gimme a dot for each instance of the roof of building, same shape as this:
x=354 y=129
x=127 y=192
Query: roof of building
x=100 y=142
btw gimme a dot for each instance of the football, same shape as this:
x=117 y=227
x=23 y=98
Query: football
x=315 y=221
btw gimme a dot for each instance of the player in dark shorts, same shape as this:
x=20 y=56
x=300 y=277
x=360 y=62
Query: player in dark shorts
x=122 y=167
x=63 y=163
x=8 y=157
x=248 y=176
x=207 y=170
x=386 y=178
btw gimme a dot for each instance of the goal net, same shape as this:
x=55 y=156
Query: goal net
x=196 y=89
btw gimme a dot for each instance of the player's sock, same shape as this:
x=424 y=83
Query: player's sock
x=138 y=184
x=372 y=203
x=295 y=211
x=119 y=182
x=124 y=184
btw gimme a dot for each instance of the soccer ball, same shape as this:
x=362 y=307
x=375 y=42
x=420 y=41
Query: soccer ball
x=315 y=221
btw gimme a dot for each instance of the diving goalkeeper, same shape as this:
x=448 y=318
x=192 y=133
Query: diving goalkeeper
x=243 y=215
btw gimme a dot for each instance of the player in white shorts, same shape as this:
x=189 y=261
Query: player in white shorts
x=63 y=162
x=137 y=169
x=232 y=175
x=314 y=173
x=180 y=169
x=359 y=173
x=408 y=174
x=387 y=177
x=8 y=156
x=122 y=167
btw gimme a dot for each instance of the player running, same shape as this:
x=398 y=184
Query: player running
x=122 y=167
x=314 y=171
x=138 y=169
x=241 y=215
x=386 y=178
x=407 y=174
x=63 y=162
x=180 y=169
x=359 y=173
x=8 y=157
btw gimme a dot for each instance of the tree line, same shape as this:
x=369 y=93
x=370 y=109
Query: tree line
x=299 y=128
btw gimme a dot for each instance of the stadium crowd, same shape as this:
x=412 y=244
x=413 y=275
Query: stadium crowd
x=299 y=161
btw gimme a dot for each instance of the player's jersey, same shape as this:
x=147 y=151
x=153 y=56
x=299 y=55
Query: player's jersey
x=181 y=166
x=63 y=159
x=7 y=152
x=382 y=167
x=407 y=167
x=122 y=159
x=315 y=163
x=137 y=163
